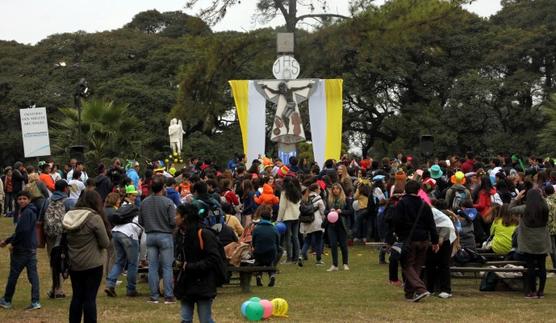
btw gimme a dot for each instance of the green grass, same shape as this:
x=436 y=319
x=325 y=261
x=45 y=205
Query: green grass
x=314 y=295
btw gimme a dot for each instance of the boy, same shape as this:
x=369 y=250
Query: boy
x=266 y=244
x=23 y=252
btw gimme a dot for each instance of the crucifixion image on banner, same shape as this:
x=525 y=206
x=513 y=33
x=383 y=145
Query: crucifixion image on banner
x=287 y=127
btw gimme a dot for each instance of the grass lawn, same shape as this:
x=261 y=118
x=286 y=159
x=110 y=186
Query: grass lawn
x=314 y=295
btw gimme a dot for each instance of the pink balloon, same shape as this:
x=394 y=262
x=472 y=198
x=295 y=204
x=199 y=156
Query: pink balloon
x=332 y=217
x=267 y=306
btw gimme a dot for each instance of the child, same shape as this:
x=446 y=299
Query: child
x=24 y=252
x=267 y=197
x=266 y=244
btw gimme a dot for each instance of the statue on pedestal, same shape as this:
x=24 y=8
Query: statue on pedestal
x=175 y=131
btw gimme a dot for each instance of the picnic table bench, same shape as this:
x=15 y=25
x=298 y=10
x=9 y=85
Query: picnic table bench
x=245 y=274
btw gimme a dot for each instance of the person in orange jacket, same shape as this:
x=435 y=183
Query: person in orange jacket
x=267 y=197
x=46 y=178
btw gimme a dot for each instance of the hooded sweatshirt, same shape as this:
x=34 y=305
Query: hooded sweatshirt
x=24 y=238
x=87 y=238
x=267 y=197
x=68 y=203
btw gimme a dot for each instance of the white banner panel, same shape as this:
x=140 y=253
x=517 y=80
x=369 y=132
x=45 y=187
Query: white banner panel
x=34 y=132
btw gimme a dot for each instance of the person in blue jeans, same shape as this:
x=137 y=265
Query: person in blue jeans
x=23 y=253
x=125 y=238
x=197 y=256
x=157 y=215
x=337 y=232
x=313 y=231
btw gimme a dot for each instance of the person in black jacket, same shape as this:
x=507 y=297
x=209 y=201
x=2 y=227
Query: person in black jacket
x=24 y=252
x=412 y=210
x=197 y=256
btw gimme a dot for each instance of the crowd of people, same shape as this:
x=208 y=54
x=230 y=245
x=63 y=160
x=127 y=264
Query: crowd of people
x=184 y=224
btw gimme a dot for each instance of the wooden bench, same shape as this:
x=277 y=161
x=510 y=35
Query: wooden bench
x=246 y=273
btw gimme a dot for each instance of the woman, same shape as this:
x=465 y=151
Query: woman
x=483 y=203
x=345 y=180
x=502 y=230
x=248 y=200
x=533 y=238
x=312 y=232
x=88 y=235
x=197 y=256
x=337 y=232
x=111 y=204
x=288 y=212
x=361 y=212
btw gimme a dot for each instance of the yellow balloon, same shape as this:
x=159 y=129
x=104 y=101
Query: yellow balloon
x=279 y=307
x=176 y=160
x=166 y=160
x=175 y=154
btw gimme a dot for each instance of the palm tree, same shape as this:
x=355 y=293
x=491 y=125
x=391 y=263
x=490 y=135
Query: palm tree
x=107 y=127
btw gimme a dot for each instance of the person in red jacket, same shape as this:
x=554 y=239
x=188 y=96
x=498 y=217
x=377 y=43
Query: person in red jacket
x=267 y=197
x=469 y=164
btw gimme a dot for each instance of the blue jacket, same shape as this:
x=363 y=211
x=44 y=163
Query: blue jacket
x=173 y=195
x=132 y=174
x=24 y=237
x=266 y=239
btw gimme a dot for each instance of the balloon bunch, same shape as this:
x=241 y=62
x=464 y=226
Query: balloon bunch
x=176 y=158
x=256 y=309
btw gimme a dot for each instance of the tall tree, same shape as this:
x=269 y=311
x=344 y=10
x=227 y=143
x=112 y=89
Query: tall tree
x=268 y=9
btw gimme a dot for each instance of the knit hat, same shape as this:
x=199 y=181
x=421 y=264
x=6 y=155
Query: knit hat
x=458 y=178
x=436 y=172
x=130 y=189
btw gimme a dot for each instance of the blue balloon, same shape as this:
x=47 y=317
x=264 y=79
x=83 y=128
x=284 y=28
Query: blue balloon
x=281 y=227
x=244 y=308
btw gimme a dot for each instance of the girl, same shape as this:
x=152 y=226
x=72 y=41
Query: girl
x=88 y=234
x=313 y=231
x=248 y=199
x=197 y=256
x=502 y=230
x=345 y=180
x=533 y=238
x=337 y=232
x=288 y=213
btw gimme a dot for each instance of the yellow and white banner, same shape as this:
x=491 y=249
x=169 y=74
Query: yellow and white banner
x=325 y=116
x=325 y=113
x=251 y=112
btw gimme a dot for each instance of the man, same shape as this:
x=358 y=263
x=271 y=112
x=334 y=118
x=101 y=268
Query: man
x=413 y=223
x=76 y=185
x=157 y=215
x=103 y=184
x=79 y=166
x=133 y=174
x=458 y=193
x=19 y=177
x=469 y=164
x=24 y=252
x=58 y=205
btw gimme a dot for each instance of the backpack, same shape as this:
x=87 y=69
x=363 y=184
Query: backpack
x=125 y=214
x=459 y=197
x=53 y=218
x=307 y=210
x=221 y=273
x=59 y=257
x=213 y=215
x=33 y=189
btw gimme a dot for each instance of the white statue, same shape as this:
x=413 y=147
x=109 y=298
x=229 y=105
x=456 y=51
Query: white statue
x=287 y=128
x=175 y=131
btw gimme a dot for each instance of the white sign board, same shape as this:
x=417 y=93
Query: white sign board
x=286 y=68
x=34 y=131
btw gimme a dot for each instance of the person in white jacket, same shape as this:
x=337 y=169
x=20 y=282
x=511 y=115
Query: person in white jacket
x=125 y=238
x=312 y=232
x=288 y=213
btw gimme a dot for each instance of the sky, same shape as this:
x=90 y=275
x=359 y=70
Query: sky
x=29 y=21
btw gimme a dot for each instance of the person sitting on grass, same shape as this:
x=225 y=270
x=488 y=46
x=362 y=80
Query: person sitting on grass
x=266 y=244
x=23 y=252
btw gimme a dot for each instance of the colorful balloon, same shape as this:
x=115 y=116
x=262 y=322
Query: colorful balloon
x=255 y=299
x=281 y=227
x=332 y=217
x=254 y=311
x=267 y=306
x=244 y=308
x=279 y=307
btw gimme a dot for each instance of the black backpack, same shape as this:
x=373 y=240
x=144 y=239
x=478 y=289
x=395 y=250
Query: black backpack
x=125 y=214
x=59 y=257
x=307 y=210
